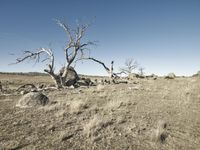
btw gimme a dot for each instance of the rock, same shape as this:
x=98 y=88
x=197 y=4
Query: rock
x=152 y=76
x=32 y=99
x=51 y=128
x=66 y=136
x=88 y=81
x=72 y=76
x=140 y=76
x=23 y=92
x=85 y=82
x=132 y=76
x=170 y=76
x=70 y=82
x=197 y=74
x=155 y=77
x=122 y=81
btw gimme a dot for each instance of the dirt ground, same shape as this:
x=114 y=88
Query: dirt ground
x=145 y=114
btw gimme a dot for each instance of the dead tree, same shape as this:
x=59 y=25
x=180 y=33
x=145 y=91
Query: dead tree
x=46 y=54
x=74 y=50
x=108 y=70
x=129 y=66
x=141 y=71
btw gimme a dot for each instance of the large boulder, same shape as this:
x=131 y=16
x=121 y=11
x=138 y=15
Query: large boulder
x=72 y=76
x=132 y=76
x=32 y=99
x=170 y=76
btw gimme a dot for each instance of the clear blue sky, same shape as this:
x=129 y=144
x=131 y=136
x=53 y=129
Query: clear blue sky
x=162 y=35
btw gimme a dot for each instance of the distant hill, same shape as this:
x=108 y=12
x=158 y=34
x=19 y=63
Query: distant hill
x=45 y=74
x=25 y=73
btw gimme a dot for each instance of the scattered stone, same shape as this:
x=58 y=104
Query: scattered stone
x=121 y=120
x=132 y=76
x=71 y=87
x=152 y=76
x=140 y=76
x=122 y=82
x=96 y=139
x=32 y=99
x=23 y=92
x=170 y=76
x=51 y=128
x=66 y=136
x=85 y=82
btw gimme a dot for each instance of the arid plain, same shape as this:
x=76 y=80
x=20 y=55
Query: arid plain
x=143 y=114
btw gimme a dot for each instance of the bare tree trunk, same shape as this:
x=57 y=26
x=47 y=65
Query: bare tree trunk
x=56 y=78
x=111 y=69
x=57 y=82
x=64 y=75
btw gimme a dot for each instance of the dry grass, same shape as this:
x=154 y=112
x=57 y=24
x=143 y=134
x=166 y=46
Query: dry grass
x=100 y=87
x=113 y=117
x=97 y=123
x=160 y=133
x=78 y=106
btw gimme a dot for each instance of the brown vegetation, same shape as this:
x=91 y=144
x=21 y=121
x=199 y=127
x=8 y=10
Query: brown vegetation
x=141 y=114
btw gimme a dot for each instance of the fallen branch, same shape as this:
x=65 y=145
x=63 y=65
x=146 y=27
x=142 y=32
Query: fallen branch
x=32 y=86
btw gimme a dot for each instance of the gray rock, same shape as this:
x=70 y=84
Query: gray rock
x=72 y=76
x=132 y=76
x=32 y=99
x=170 y=76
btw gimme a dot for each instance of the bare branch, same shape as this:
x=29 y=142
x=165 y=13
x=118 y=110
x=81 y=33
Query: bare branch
x=130 y=65
x=36 y=56
x=74 y=46
x=74 y=49
x=66 y=28
x=122 y=72
x=93 y=59
x=141 y=71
